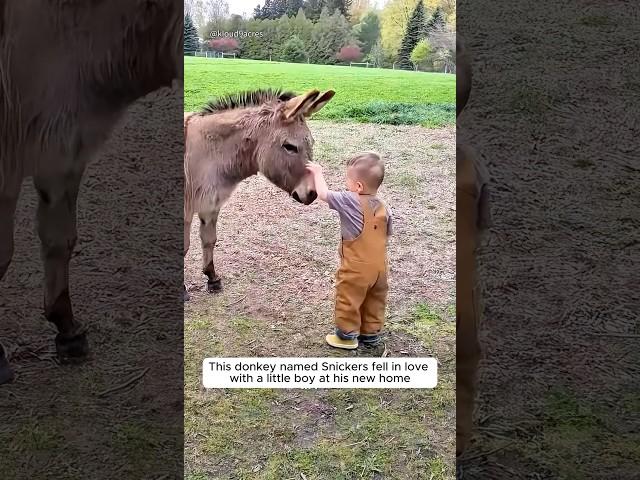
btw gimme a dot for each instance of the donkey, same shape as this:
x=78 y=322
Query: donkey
x=61 y=93
x=235 y=137
x=472 y=219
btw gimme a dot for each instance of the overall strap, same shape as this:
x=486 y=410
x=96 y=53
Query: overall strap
x=366 y=209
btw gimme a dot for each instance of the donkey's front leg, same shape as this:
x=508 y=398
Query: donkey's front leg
x=56 y=220
x=208 y=221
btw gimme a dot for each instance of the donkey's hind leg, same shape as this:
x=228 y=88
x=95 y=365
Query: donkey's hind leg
x=56 y=220
x=8 y=201
x=208 y=221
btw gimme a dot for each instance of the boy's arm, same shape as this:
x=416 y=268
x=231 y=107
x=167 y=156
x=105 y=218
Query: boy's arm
x=318 y=178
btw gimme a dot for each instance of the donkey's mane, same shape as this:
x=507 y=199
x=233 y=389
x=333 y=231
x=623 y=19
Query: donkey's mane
x=249 y=98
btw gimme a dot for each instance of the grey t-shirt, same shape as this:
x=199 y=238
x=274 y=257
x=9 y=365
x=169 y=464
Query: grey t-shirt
x=347 y=204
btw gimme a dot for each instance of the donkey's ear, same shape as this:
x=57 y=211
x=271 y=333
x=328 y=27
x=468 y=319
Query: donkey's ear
x=319 y=102
x=298 y=104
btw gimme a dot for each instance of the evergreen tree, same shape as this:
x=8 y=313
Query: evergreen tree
x=415 y=30
x=257 y=12
x=278 y=8
x=342 y=6
x=267 y=10
x=369 y=31
x=436 y=23
x=191 y=40
x=292 y=7
x=293 y=50
x=330 y=34
x=376 y=56
x=312 y=9
x=302 y=27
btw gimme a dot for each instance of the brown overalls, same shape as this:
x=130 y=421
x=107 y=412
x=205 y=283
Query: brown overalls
x=361 y=280
x=472 y=217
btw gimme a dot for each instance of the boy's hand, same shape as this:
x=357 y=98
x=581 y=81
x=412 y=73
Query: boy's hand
x=315 y=169
x=318 y=178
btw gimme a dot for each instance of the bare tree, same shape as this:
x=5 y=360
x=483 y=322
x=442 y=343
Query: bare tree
x=205 y=11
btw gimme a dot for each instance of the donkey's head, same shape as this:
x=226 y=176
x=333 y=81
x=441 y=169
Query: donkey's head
x=285 y=145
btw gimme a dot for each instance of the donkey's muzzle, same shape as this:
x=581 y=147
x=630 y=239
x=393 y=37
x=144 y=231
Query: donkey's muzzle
x=311 y=196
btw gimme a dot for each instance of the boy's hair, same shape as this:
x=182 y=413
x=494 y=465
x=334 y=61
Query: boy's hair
x=369 y=169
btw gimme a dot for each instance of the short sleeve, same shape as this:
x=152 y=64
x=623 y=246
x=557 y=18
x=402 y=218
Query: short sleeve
x=338 y=201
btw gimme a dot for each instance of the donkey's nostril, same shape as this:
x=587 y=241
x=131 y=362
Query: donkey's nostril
x=312 y=196
x=296 y=197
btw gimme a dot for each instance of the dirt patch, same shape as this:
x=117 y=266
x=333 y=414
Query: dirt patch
x=278 y=259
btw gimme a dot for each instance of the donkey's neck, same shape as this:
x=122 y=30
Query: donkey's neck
x=237 y=144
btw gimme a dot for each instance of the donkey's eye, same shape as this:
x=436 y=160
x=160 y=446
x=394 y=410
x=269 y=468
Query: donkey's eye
x=290 y=148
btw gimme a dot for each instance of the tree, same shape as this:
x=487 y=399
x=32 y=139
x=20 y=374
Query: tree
x=313 y=9
x=415 y=30
x=257 y=12
x=393 y=23
x=293 y=50
x=292 y=7
x=342 y=6
x=204 y=12
x=444 y=60
x=224 y=44
x=420 y=54
x=301 y=26
x=358 y=10
x=267 y=10
x=330 y=34
x=191 y=40
x=278 y=8
x=349 y=53
x=376 y=56
x=236 y=22
x=436 y=23
x=369 y=31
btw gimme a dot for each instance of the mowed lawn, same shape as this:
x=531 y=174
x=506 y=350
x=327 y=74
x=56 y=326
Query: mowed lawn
x=371 y=95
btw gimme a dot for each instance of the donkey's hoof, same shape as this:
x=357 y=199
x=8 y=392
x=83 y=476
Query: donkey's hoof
x=214 y=286
x=72 y=349
x=6 y=372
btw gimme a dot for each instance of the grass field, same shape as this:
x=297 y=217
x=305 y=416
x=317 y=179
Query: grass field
x=371 y=95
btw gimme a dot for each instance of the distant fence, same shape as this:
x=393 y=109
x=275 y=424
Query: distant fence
x=209 y=54
x=366 y=64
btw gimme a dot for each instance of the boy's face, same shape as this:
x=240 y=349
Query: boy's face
x=353 y=185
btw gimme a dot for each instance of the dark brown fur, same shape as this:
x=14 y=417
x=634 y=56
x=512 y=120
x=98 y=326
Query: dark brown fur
x=62 y=90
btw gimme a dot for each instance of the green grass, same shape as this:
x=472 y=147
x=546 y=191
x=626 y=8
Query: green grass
x=429 y=324
x=369 y=95
x=575 y=427
x=364 y=434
